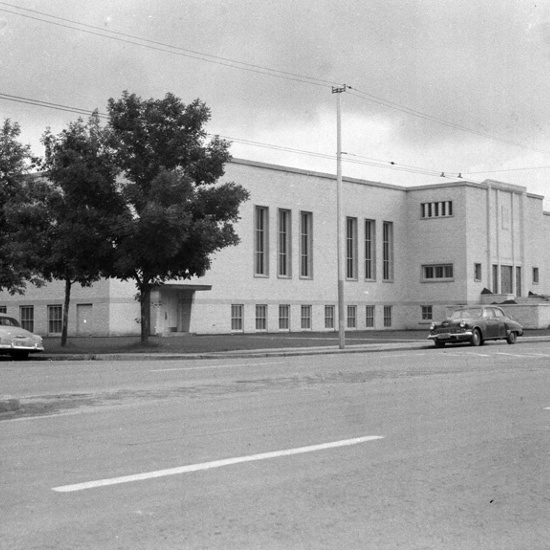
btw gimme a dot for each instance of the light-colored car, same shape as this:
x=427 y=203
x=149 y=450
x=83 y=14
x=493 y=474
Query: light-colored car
x=475 y=324
x=17 y=341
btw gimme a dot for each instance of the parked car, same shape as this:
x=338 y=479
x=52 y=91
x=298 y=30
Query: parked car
x=475 y=324
x=17 y=341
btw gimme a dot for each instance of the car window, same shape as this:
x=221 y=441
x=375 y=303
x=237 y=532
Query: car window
x=488 y=313
x=466 y=313
x=499 y=314
x=8 y=322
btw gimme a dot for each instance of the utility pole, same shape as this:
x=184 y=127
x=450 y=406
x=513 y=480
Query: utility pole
x=339 y=217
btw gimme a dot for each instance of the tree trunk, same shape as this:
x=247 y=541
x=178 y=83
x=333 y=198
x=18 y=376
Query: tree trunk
x=65 y=319
x=145 y=308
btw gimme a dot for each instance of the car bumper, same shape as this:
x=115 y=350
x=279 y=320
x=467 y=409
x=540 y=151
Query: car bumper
x=452 y=337
x=7 y=348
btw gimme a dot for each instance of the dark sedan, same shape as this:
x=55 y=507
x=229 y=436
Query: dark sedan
x=475 y=325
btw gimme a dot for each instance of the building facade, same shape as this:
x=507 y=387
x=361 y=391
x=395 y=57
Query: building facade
x=410 y=253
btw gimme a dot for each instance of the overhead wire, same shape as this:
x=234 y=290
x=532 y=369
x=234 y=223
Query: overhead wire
x=167 y=48
x=160 y=46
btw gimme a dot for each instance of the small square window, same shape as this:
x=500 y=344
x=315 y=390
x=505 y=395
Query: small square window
x=427 y=313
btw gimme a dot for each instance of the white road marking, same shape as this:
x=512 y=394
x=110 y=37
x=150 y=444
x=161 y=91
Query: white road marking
x=213 y=464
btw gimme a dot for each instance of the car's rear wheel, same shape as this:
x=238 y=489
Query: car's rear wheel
x=475 y=340
x=20 y=355
x=512 y=338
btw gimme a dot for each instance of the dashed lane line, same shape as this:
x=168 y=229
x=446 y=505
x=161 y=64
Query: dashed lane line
x=213 y=464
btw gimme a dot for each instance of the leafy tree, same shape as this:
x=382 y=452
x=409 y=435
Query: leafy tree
x=16 y=161
x=179 y=217
x=66 y=224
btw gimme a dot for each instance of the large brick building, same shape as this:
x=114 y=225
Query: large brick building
x=410 y=253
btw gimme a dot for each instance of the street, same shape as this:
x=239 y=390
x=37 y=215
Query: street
x=412 y=449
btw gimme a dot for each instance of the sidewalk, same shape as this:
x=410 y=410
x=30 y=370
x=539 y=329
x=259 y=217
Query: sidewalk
x=238 y=345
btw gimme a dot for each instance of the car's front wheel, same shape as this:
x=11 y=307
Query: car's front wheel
x=475 y=340
x=512 y=338
x=439 y=344
x=20 y=355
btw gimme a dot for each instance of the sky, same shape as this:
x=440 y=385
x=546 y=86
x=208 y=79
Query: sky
x=432 y=86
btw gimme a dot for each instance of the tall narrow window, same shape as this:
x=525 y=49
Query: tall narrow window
x=26 y=314
x=495 y=278
x=369 y=316
x=536 y=275
x=237 y=317
x=55 y=316
x=387 y=251
x=284 y=317
x=370 y=250
x=477 y=272
x=387 y=316
x=261 y=317
x=351 y=248
x=305 y=317
x=329 y=316
x=284 y=236
x=352 y=317
x=518 y=281
x=261 y=250
x=306 y=245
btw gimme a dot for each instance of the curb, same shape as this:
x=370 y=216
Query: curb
x=266 y=352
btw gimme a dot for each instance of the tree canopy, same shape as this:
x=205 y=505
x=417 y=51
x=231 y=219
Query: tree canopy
x=16 y=161
x=178 y=216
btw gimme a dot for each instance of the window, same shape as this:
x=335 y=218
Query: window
x=427 y=313
x=3 y=309
x=369 y=316
x=536 y=275
x=437 y=272
x=387 y=316
x=306 y=245
x=284 y=317
x=237 y=316
x=55 y=316
x=352 y=317
x=351 y=248
x=261 y=317
x=329 y=316
x=495 y=278
x=387 y=251
x=518 y=281
x=261 y=252
x=306 y=317
x=441 y=209
x=26 y=314
x=477 y=272
x=284 y=269
x=370 y=250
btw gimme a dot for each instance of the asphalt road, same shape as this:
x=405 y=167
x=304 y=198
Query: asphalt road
x=423 y=449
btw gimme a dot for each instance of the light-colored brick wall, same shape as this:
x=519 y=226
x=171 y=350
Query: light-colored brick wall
x=519 y=233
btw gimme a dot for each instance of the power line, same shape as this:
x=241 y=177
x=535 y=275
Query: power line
x=166 y=48
x=365 y=161
x=420 y=114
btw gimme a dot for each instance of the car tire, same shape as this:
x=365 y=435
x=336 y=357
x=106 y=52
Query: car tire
x=512 y=338
x=20 y=355
x=439 y=344
x=476 y=340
